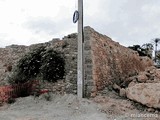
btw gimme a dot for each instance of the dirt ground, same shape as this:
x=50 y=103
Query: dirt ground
x=69 y=107
x=66 y=107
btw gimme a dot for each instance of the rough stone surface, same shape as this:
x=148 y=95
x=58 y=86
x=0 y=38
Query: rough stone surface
x=8 y=58
x=106 y=62
x=150 y=75
x=142 y=78
x=116 y=87
x=132 y=83
x=112 y=62
x=68 y=47
x=145 y=93
x=122 y=92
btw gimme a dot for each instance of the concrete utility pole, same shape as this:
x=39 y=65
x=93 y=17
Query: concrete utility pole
x=80 y=67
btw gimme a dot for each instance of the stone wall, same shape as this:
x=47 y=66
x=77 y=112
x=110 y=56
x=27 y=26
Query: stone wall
x=106 y=62
x=67 y=46
x=8 y=57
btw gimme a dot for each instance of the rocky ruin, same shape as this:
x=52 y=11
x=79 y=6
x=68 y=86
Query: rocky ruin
x=107 y=64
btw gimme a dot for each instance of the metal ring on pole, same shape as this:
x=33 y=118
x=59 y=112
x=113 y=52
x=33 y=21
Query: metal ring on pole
x=75 y=16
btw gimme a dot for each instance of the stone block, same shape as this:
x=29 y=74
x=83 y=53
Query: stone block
x=87 y=47
x=89 y=77
x=145 y=93
x=89 y=82
x=122 y=92
x=88 y=60
x=87 y=52
x=88 y=72
x=89 y=66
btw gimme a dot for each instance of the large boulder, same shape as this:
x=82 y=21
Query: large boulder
x=145 y=93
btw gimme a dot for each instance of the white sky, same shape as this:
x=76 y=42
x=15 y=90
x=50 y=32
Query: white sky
x=32 y=21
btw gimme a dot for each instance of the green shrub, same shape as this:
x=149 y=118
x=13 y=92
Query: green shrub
x=42 y=63
x=52 y=68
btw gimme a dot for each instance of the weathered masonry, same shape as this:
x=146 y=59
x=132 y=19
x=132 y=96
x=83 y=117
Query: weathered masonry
x=106 y=61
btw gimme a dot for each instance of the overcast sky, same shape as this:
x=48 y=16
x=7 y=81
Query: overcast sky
x=32 y=21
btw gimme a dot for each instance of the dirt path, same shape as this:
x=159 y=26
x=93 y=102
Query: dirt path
x=66 y=107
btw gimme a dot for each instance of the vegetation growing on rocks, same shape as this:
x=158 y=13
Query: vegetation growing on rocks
x=52 y=67
x=40 y=62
